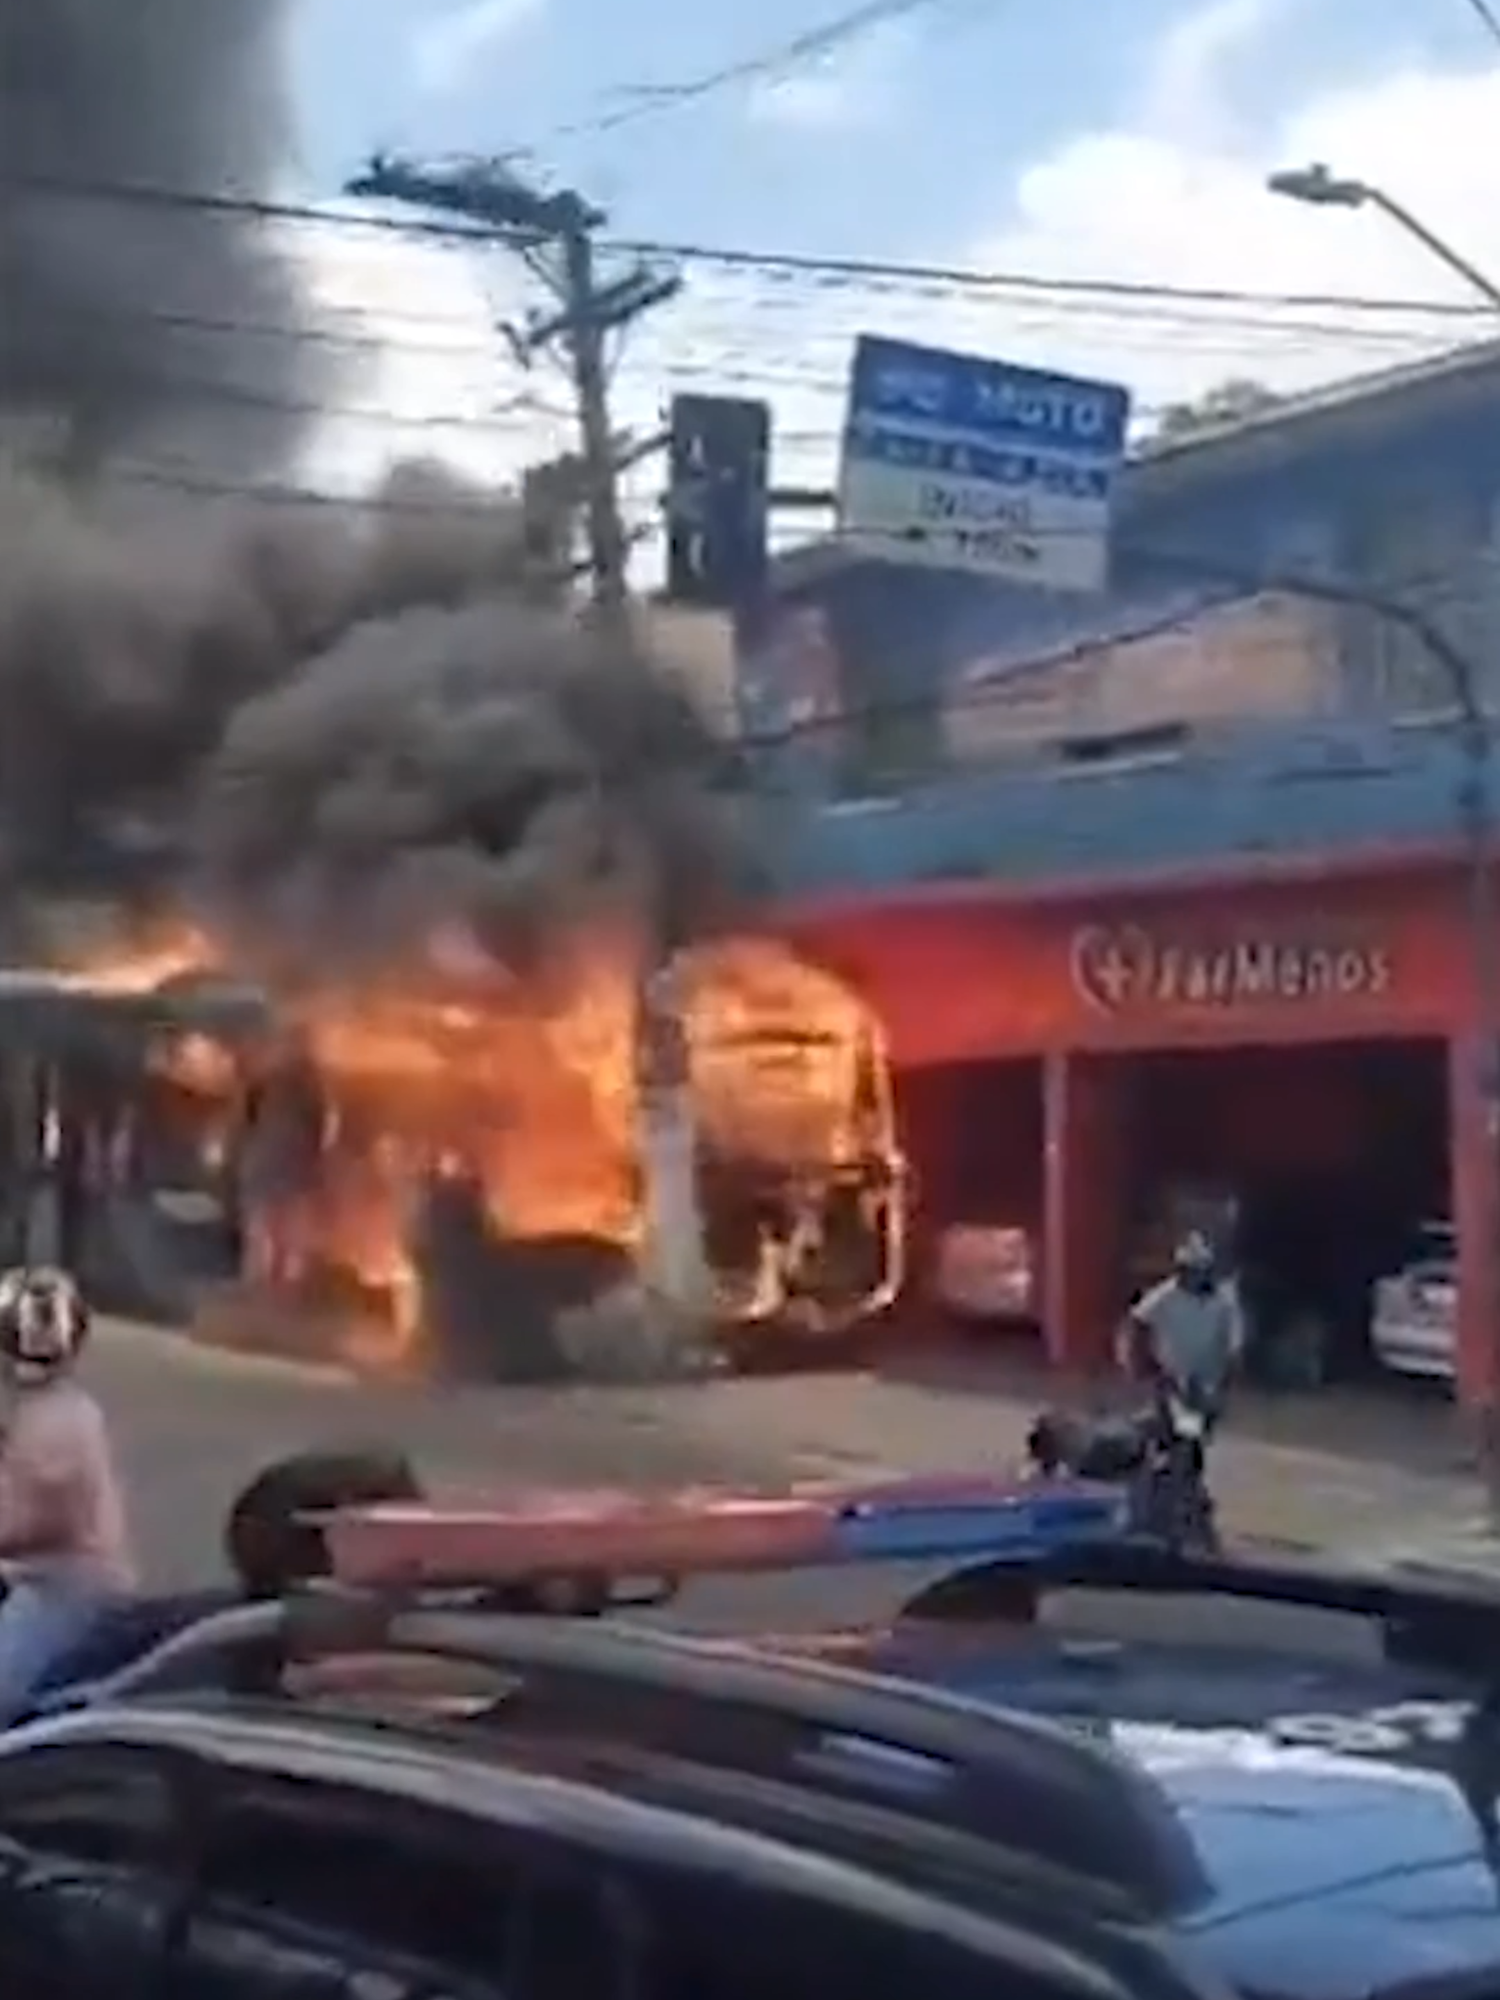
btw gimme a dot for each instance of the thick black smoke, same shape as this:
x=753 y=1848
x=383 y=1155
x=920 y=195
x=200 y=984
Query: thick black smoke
x=493 y=767
x=103 y=302
x=338 y=727
x=337 y=733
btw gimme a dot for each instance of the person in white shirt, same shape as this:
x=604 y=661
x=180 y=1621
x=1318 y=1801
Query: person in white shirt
x=65 y=1544
x=1189 y=1329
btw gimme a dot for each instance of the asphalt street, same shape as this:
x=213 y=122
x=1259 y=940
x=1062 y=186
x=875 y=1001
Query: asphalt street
x=193 y=1424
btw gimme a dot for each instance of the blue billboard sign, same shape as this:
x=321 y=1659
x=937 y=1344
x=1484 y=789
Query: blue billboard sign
x=957 y=461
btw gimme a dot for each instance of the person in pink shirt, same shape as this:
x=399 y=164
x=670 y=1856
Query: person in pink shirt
x=65 y=1544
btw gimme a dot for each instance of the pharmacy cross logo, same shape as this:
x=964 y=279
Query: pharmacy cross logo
x=1112 y=968
x=1116 y=968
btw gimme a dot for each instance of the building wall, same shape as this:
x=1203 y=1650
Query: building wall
x=1258 y=658
x=1247 y=796
x=984 y=732
x=979 y=977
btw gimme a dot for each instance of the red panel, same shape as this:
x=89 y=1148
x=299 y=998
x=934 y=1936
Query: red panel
x=1476 y=1206
x=959 y=981
x=1084 y=1155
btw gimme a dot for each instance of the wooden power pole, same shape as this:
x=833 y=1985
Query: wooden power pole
x=555 y=234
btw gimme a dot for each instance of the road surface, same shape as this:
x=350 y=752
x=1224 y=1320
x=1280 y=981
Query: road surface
x=194 y=1423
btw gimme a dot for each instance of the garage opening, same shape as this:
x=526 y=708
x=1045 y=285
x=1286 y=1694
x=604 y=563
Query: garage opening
x=973 y=1138
x=1321 y=1171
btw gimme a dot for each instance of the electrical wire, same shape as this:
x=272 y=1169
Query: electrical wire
x=851 y=268
x=728 y=345
x=204 y=486
x=970 y=279
x=1487 y=18
x=1000 y=691
x=1180 y=617
x=1144 y=307
x=808 y=48
x=519 y=415
x=782 y=304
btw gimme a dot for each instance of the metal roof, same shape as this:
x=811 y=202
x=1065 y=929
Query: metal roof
x=1344 y=406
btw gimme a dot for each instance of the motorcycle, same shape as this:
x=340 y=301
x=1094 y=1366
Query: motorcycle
x=1169 y=1497
x=1159 y=1456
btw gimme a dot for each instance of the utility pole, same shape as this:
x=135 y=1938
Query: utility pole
x=606 y=530
x=555 y=234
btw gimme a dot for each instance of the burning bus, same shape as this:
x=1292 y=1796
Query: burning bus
x=77 y=1062
x=439 y=1170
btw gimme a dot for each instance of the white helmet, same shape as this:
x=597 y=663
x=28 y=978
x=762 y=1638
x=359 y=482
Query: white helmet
x=44 y=1321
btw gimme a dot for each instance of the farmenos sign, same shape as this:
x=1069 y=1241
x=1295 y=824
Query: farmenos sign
x=1118 y=968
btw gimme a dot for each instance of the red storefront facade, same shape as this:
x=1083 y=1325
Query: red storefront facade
x=1085 y=985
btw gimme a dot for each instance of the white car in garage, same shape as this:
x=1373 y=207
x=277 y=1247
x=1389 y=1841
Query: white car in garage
x=1414 y=1328
x=987 y=1271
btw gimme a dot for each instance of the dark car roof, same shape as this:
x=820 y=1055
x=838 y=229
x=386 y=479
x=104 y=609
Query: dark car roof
x=1317 y=1820
x=460 y=1771
x=1341 y=1804
x=1019 y=1781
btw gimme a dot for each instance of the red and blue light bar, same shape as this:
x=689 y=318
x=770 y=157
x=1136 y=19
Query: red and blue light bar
x=531 y=1533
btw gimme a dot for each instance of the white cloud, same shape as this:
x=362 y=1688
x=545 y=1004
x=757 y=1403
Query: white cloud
x=853 y=86
x=443 y=50
x=444 y=384
x=1188 y=95
x=1173 y=191
x=1182 y=198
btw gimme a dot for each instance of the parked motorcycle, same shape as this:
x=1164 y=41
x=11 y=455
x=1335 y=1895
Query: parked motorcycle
x=1169 y=1495
x=1159 y=1456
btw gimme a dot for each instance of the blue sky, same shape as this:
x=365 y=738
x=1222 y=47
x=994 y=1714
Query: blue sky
x=1119 y=138
x=905 y=146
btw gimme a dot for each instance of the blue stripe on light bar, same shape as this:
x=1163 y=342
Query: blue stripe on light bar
x=916 y=1530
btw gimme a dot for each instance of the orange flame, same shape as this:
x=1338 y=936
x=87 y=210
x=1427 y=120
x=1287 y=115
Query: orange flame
x=527 y=1091
x=166 y=951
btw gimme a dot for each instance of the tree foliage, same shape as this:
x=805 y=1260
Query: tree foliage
x=1228 y=402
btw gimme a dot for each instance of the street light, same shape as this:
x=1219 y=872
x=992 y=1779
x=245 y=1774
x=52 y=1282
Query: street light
x=1318 y=186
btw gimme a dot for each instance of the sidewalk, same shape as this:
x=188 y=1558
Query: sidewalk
x=1324 y=1471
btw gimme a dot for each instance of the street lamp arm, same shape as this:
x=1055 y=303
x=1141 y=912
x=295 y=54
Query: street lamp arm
x=1444 y=252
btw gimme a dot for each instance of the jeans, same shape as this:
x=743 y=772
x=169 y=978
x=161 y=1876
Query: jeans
x=42 y=1626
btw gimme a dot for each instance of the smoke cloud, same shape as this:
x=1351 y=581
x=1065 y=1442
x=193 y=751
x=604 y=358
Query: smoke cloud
x=336 y=734
x=334 y=728
x=105 y=300
x=491 y=768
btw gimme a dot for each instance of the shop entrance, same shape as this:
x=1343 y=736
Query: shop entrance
x=1318 y=1167
x=973 y=1138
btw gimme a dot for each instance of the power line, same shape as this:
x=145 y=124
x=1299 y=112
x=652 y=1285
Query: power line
x=1179 y=617
x=732 y=346
x=850 y=268
x=811 y=46
x=777 y=302
x=1487 y=18
x=517 y=415
x=313 y=334
x=969 y=278
x=204 y=486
